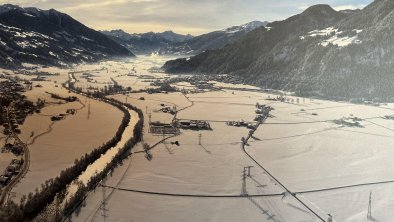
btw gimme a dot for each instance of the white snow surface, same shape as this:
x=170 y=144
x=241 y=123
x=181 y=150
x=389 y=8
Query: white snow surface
x=334 y=37
x=306 y=152
x=341 y=41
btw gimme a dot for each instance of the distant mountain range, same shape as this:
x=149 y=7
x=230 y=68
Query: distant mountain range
x=171 y=43
x=212 y=40
x=320 y=52
x=146 y=42
x=49 y=37
x=31 y=35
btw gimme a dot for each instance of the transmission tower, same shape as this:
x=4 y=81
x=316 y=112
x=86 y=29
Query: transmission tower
x=103 y=206
x=329 y=218
x=199 y=138
x=89 y=109
x=244 y=192
x=369 y=215
x=248 y=167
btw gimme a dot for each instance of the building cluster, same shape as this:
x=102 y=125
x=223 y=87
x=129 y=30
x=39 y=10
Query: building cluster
x=12 y=169
x=240 y=124
x=67 y=99
x=389 y=117
x=163 y=128
x=262 y=112
x=168 y=109
x=89 y=77
x=58 y=117
x=194 y=124
x=349 y=122
x=11 y=87
x=10 y=120
x=71 y=111
x=15 y=148
x=202 y=85
x=176 y=125
x=282 y=98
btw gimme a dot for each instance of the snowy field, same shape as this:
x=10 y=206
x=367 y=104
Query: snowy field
x=330 y=167
x=54 y=146
x=310 y=146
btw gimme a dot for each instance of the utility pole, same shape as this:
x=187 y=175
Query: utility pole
x=329 y=218
x=248 y=167
x=89 y=109
x=150 y=121
x=244 y=192
x=199 y=138
x=104 y=202
x=369 y=215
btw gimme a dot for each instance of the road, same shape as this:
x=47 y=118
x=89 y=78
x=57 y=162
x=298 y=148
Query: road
x=273 y=177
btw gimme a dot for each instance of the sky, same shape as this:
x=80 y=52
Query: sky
x=182 y=16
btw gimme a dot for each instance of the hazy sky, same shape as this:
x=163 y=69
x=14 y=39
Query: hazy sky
x=183 y=16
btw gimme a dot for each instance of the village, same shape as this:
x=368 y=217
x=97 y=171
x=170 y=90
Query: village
x=14 y=110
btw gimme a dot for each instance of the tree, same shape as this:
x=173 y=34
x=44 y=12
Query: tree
x=11 y=213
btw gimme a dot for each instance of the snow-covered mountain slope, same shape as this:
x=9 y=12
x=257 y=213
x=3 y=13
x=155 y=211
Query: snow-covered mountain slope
x=322 y=52
x=172 y=43
x=212 y=40
x=31 y=35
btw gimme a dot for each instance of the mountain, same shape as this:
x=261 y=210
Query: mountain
x=320 y=52
x=146 y=42
x=171 y=43
x=31 y=35
x=212 y=40
x=174 y=37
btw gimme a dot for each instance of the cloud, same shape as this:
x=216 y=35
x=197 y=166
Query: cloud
x=344 y=7
x=184 y=16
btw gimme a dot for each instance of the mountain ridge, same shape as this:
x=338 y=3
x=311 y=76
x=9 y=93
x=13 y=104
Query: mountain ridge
x=169 y=42
x=212 y=40
x=148 y=42
x=32 y=35
x=319 y=52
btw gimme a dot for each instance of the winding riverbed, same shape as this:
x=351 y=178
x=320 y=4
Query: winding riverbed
x=94 y=168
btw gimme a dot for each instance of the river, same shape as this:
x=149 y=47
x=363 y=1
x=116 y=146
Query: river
x=93 y=169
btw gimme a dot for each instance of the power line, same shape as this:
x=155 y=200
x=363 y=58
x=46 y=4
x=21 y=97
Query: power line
x=369 y=214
